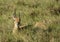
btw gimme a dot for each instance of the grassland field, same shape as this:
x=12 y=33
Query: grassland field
x=31 y=11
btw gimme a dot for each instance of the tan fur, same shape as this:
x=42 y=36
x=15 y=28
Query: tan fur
x=15 y=29
x=16 y=24
x=40 y=25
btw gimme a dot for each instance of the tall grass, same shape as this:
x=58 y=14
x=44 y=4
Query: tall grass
x=31 y=11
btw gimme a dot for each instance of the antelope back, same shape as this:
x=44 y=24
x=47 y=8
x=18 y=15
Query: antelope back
x=40 y=25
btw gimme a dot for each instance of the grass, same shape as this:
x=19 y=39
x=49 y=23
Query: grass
x=31 y=11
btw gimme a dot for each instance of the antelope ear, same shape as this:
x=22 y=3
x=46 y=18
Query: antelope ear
x=14 y=16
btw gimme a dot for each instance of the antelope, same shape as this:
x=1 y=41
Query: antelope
x=40 y=25
x=17 y=24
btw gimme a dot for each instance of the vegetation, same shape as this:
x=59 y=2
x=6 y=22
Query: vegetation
x=45 y=12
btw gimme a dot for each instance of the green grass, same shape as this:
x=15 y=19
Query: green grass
x=30 y=11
